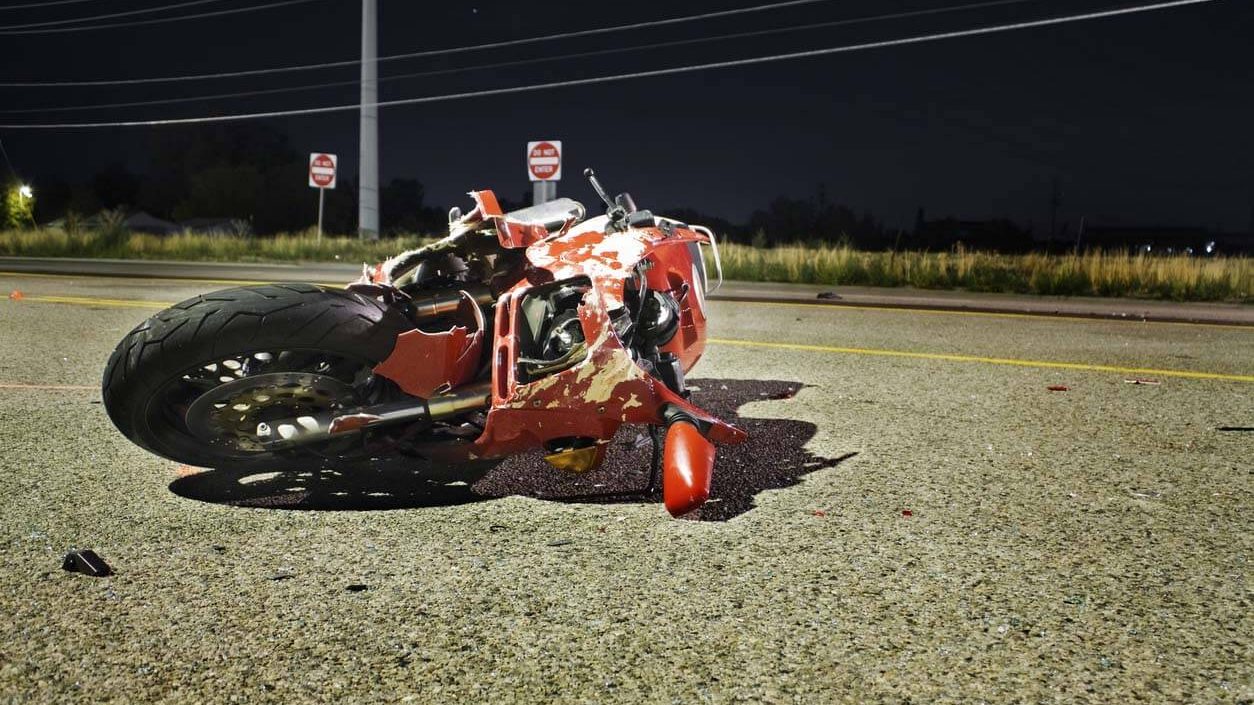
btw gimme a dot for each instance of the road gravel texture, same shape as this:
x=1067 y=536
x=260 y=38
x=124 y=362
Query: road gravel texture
x=898 y=529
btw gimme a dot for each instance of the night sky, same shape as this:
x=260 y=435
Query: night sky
x=1142 y=119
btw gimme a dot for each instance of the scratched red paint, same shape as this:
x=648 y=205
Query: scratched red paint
x=595 y=396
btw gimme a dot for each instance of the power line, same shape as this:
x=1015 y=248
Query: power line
x=417 y=54
x=136 y=23
x=144 y=11
x=523 y=62
x=918 y=39
x=50 y=3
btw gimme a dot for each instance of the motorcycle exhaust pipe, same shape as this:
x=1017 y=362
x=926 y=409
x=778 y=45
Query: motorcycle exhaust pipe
x=306 y=429
x=446 y=302
x=687 y=464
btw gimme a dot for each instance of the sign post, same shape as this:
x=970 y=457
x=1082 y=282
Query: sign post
x=322 y=169
x=544 y=168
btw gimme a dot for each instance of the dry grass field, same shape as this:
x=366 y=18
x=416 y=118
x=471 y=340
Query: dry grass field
x=1090 y=273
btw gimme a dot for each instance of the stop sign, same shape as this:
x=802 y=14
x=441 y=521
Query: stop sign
x=322 y=170
x=544 y=160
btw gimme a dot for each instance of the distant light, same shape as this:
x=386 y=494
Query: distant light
x=25 y=191
x=1210 y=247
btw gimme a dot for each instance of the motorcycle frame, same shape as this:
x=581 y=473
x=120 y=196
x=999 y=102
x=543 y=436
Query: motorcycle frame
x=592 y=398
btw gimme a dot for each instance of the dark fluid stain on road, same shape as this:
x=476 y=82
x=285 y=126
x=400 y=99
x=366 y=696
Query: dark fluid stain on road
x=774 y=457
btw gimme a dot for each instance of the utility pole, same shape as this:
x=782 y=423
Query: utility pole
x=1055 y=200
x=368 y=165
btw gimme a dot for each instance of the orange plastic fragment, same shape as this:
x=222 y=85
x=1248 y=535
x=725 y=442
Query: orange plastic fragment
x=1057 y=388
x=16 y=295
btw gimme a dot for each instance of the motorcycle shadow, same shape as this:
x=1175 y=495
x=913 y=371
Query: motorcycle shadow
x=774 y=457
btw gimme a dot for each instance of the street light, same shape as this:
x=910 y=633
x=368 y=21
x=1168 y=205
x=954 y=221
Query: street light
x=25 y=191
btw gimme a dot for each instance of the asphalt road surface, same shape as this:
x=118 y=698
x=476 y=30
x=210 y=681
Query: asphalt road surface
x=916 y=518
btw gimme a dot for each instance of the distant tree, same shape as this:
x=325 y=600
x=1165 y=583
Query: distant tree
x=340 y=210
x=83 y=199
x=507 y=204
x=54 y=198
x=722 y=227
x=403 y=210
x=16 y=209
x=222 y=191
x=115 y=187
x=985 y=235
x=245 y=171
x=815 y=220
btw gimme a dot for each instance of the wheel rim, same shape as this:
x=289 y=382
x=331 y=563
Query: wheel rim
x=243 y=415
x=183 y=419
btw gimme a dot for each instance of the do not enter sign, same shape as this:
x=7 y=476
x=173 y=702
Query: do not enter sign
x=544 y=160
x=322 y=170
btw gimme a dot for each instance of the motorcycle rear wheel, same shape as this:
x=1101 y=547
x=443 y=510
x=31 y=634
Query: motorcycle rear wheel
x=162 y=366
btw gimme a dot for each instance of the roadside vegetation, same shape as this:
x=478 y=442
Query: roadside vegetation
x=117 y=243
x=1090 y=273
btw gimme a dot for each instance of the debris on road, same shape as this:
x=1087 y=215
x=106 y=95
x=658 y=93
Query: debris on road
x=357 y=587
x=1058 y=388
x=828 y=296
x=16 y=295
x=560 y=542
x=1142 y=381
x=282 y=575
x=907 y=513
x=819 y=513
x=87 y=563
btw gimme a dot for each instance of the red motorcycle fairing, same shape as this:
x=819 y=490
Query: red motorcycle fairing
x=424 y=364
x=593 y=397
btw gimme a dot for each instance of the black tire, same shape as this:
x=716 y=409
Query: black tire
x=240 y=321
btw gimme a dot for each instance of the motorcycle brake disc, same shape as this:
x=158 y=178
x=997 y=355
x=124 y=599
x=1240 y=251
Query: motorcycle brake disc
x=231 y=413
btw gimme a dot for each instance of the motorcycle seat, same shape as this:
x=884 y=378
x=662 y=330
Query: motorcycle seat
x=551 y=215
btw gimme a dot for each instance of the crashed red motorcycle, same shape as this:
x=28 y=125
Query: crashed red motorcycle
x=532 y=330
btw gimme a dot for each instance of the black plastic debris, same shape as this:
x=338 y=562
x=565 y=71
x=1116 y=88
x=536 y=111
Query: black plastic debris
x=357 y=587
x=87 y=563
x=828 y=296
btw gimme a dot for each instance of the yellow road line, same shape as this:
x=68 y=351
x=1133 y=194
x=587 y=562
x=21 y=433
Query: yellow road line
x=51 y=387
x=987 y=360
x=188 y=281
x=853 y=307
x=43 y=275
x=982 y=314
x=89 y=301
x=130 y=303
